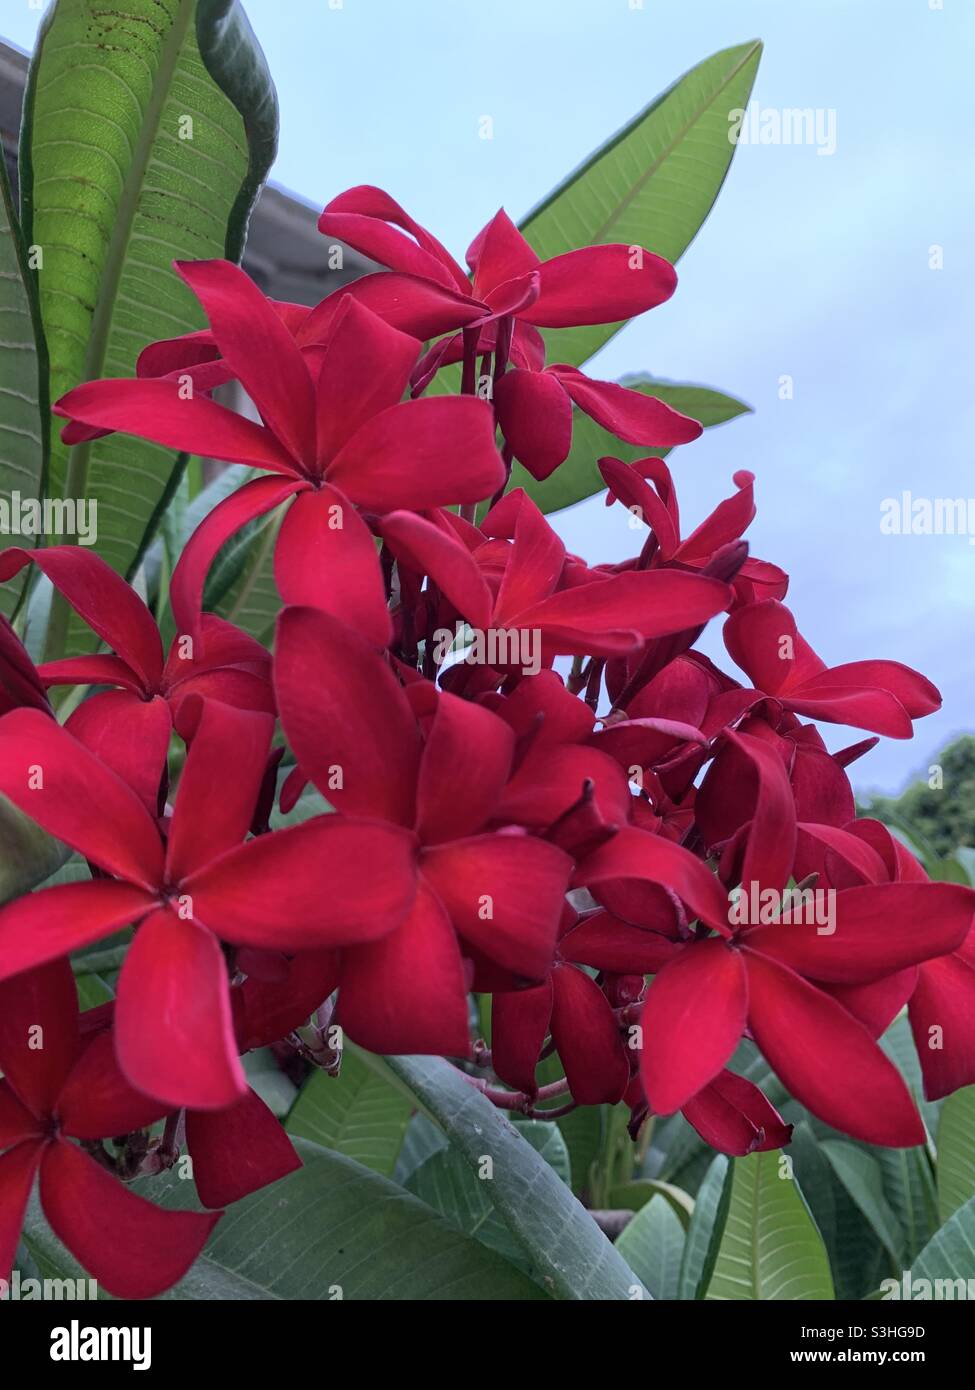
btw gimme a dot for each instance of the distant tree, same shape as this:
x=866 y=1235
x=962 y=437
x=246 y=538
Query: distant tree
x=939 y=809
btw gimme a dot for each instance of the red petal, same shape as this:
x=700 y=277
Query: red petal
x=149 y=1250
x=120 y=838
x=16 y=1121
x=157 y=409
x=413 y=305
x=407 y=992
x=652 y=603
x=827 y=1059
x=505 y=894
x=426 y=453
x=692 y=1021
x=173 y=1029
x=879 y=929
x=519 y=1022
x=629 y=414
x=237 y=1151
x=732 y=1115
x=204 y=826
x=98 y=1102
x=17 y=1169
x=39 y=1033
x=425 y=548
x=346 y=717
x=942 y=1012
x=361 y=216
x=917 y=695
x=365 y=368
x=326 y=882
x=534 y=563
x=227 y=518
x=535 y=416
x=129 y=735
x=601 y=284
x=260 y=351
x=605 y=943
x=326 y=558
x=588 y=1039
x=102 y=598
x=498 y=253
x=634 y=854
x=550 y=781
x=465 y=765
x=40 y=927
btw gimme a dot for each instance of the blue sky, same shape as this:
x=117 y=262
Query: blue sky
x=811 y=266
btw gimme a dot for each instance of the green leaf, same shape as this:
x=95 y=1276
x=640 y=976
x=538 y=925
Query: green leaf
x=652 y=184
x=956 y=1152
x=653 y=1246
x=28 y=855
x=579 y=477
x=909 y=1185
x=949 y=1254
x=446 y=1183
x=116 y=185
x=898 y=1043
x=24 y=414
x=705 y=1229
x=770 y=1249
x=559 y=1236
x=332 y=1230
x=357 y=1113
x=863 y=1178
x=264 y=1076
x=633 y=1196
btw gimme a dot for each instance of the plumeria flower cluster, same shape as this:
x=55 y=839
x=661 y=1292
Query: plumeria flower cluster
x=566 y=807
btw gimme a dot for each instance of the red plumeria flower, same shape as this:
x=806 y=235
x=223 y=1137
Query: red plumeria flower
x=328 y=881
x=765 y=977
x=940 y=993
x=519 y=294
x=242 y=1148
x=335 y=435
x=355 y=733
x=513 y=583
x=596 y=284
x=881 y=696
x=646 y=489
x=129 y=727
x=66 y=1089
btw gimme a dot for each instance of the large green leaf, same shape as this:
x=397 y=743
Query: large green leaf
x=573 y=1257
x=447 y=1184
x=771 y=1248
x=357 y=1113
x=956 y=1152
x=705 y=1229
x=24 y=414
x=950 y=1253
x=116 y=185
x=863 y=1178
x=333 y=1230
x=652 y=184
x=653 y=1246
x=579 y=477
x=910 y=1189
